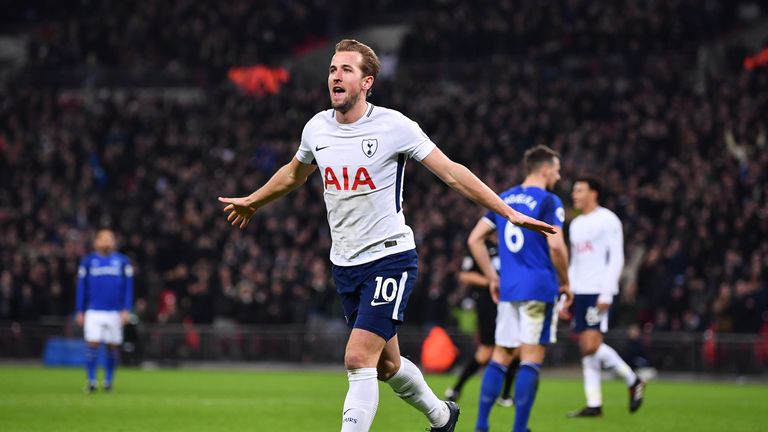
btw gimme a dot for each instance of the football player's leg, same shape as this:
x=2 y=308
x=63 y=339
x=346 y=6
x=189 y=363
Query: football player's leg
x=362 y=400
x=507 y=336
x=481 y=357
x=506 y=399
x=486 y=323
x=113 y=338
x=91 y=354
x=592 y=388
x=612 y=360
x=589 y=341
x=527 y=384
x=91 y=328
x=538 y=324
x=490 y=387
x=113 y=355
x=408 y=383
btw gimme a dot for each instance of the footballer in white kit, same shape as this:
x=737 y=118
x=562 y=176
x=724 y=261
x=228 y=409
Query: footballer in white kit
x=362 y=164
x=361 y=151
x=597 y=259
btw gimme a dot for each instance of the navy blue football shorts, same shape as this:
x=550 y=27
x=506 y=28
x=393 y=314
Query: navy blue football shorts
x=586 y=315
x=374 y=295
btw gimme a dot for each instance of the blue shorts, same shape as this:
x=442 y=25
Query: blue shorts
x=586 y=315
x=374 y=295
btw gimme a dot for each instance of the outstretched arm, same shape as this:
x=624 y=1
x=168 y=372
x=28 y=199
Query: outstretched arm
x=462 y=180
x=286 y=179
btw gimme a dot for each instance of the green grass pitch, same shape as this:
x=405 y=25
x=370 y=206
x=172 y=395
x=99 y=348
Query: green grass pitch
x=38 y=399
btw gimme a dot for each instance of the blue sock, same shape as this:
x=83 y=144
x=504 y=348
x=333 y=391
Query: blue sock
x=525 y=393
x=112 y=355
x=90 y=362
x=493 y=380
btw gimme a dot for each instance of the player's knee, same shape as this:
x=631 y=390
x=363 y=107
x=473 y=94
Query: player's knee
x=502 y=355
x=360 y=358
x=353 y=361
x=589 y=347
x=483 y=354
x=386 y=369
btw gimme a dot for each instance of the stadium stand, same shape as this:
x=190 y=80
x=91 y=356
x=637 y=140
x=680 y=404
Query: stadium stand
x=89 y=136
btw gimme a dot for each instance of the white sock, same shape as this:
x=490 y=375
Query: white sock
x=362 y=400
x=408 y=383
x=612 y=360
x=592 y=390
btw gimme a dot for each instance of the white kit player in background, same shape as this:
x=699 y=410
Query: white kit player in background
x=361 y=151
x=597 y=258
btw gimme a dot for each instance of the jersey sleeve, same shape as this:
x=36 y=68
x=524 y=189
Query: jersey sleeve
x=552 y=211
x=490 y=219
x=411 y=140
x=304 y=153
x=82 y=286
x=614 y=259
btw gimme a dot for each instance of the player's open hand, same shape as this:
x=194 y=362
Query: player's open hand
x=532 y=224
x=80 y=319
x=239 y=209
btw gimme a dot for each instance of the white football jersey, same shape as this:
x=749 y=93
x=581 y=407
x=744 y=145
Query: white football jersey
x=362 y=165
x=597 y=254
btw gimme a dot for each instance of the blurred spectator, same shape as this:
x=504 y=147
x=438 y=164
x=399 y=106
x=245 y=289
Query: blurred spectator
x=611 y=86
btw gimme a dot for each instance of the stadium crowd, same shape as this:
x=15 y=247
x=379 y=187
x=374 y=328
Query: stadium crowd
x=683 y=157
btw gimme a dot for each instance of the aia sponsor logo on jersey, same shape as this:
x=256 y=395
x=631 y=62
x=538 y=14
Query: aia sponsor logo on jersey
x=584 y=247
x=347 y=178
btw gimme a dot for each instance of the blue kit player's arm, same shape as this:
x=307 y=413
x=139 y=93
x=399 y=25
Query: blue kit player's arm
x=128 y=274
x=82 y=287
x=553 y=213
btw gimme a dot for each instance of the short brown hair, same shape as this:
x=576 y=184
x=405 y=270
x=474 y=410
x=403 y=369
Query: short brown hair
x=536 y=156
x=370 y=64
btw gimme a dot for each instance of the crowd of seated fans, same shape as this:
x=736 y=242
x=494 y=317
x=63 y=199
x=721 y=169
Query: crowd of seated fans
x=683 y=157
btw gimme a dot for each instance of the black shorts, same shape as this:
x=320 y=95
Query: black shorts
x=486 y=315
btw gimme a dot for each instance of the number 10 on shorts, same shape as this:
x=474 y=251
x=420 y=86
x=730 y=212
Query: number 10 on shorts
x=388 y=289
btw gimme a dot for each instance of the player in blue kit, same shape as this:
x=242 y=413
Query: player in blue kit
x=533 y=273
x=361 y=151
x=104 y=300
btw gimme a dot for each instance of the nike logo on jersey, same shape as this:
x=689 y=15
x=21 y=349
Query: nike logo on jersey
x=375 y=303
x=318 y=148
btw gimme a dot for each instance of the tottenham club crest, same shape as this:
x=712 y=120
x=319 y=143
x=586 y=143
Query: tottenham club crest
x=370 y=145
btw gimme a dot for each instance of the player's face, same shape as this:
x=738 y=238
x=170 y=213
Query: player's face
x=553 y=173
x=105 y=241
x=582 y=195
x=346 y=82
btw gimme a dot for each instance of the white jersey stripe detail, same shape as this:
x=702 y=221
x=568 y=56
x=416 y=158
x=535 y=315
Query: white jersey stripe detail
x=400 y=291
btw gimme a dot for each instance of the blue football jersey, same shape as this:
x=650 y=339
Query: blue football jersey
x=104 y=283
x=527 y=272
